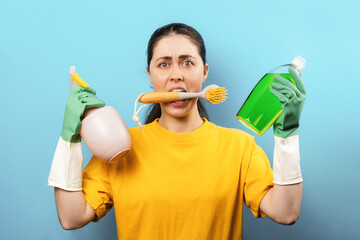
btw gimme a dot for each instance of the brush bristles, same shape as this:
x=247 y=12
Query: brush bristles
x=216 y=95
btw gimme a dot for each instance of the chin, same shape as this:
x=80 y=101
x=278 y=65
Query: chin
x=179 y=110
x=178 y=113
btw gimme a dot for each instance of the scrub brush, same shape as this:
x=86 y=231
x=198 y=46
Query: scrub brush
x=211 y=93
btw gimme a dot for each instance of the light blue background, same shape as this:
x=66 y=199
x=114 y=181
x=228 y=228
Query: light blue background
x=107 y=40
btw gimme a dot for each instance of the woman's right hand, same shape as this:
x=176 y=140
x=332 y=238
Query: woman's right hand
x=78 y=100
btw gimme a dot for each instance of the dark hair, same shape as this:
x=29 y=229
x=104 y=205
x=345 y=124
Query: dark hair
x=181 y=29
x=176 y=28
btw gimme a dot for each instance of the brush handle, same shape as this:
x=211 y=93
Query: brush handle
x=188 y=95
x=159 y=97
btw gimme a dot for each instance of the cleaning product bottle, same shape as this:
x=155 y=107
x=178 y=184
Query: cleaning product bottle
x=262 y=108
x=102 y=129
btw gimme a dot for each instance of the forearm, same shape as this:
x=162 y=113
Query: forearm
x=73 y=211
x=282 y=203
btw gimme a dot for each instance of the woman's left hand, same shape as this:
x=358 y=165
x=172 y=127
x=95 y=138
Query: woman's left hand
x=292 y=98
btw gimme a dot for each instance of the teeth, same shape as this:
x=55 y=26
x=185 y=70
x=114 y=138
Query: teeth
x=178 y=90
x=179 y=101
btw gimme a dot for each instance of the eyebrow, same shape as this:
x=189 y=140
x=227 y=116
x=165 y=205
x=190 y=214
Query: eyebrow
x=170 y=58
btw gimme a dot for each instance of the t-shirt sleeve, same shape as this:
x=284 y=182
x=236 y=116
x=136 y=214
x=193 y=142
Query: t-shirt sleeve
x=258 y=179
x=96 y=186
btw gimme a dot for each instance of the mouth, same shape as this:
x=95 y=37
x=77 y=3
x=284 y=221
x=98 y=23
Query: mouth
x=178 y=89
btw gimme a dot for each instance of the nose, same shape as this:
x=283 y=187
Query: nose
x=176 y=75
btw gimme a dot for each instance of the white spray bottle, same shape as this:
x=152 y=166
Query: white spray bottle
x=102 y=129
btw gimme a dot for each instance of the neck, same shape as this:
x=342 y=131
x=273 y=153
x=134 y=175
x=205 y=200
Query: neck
x=184 y=124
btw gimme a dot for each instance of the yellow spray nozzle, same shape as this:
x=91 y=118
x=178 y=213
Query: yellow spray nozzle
x=79 y=81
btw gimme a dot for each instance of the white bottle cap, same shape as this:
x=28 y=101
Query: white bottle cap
x=71 y=80
x=299 y=63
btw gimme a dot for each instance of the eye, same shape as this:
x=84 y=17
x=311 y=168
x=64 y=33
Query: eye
x=163 y=65
x=187 y=63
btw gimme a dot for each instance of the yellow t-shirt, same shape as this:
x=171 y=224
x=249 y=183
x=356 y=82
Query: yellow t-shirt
x=181 y=185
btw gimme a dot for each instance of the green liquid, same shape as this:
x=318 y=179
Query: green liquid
x=261 y=108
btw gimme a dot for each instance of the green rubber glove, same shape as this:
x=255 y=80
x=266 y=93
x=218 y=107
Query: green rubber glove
x=79 y=99
x=292 y=98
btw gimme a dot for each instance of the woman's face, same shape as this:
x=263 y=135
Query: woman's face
x=176 y=65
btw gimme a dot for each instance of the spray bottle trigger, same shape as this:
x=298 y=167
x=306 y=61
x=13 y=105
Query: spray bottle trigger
x=75 y=80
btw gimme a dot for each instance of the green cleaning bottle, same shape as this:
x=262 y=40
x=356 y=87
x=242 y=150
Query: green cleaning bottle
x=262 y=108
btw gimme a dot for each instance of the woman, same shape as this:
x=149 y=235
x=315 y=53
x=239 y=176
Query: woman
x=184 y=178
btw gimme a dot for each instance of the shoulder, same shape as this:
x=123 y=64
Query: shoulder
x=232 y=133
x=141 y=132
x=138 y=129
x=134 y=129
x=134 y=132
x=234 y=142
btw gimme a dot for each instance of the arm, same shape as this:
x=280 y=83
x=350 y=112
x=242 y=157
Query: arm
x=282 y=203
x=67 y=165
x=73 y=211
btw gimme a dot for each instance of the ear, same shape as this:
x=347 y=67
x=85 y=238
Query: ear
x=206 y=72
x=148 y=73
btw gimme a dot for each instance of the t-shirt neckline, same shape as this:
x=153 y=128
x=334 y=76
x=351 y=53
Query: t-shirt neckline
x=195 y=135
